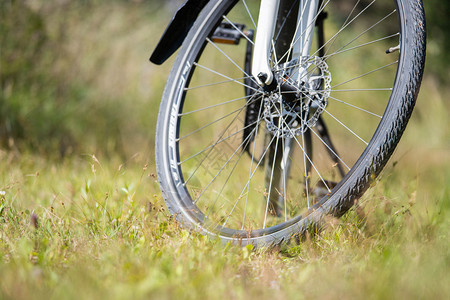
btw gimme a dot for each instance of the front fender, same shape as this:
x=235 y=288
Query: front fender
x=177 y=30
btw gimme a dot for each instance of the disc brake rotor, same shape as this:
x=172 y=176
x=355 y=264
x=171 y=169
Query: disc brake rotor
x=292 y=118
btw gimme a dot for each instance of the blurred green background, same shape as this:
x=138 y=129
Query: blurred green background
x=75 y=76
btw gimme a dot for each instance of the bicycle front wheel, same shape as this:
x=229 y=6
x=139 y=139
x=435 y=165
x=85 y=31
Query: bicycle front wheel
x=257 y=166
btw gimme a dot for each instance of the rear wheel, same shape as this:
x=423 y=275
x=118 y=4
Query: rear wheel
x=257 y=166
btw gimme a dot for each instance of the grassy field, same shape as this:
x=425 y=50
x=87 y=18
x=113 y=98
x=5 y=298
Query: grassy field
x=84 y=218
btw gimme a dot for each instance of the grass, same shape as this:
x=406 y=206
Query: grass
x=83 y=228
x=91 y=223
x=90 y=227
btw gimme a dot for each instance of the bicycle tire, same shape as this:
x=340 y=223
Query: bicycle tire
x=173 y=179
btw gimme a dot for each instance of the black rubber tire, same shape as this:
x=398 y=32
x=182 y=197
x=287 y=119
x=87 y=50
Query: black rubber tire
x=356 y=181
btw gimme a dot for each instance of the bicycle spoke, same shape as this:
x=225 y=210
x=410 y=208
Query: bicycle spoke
x=331 y=150
x=227 y=77
x=238 y=111
x=354 y=106
x=215 y=83
x=326 y=57
x=218 y=173
x=346 y=127
x=232 y=61
x=212 y=106
x=363 y=90
x=364 y=32
x=240 y=31
x=211 y=123
x=249 y=14
x=345 y=26
x=304 y=151
x=248 y=183
x=284 y=169
x=310 y=161
x=228 y=178
x=306 y=167
x=209 y=152
x=271 y=181
x=251 y=168
x=218 y=142
x=365 y=74
x=334 y=37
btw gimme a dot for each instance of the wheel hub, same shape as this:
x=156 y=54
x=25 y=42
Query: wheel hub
x=296 y=103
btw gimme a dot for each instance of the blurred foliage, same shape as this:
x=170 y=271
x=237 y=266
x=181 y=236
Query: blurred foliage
x=438 y=34
x=64 y=75
x=23 y=37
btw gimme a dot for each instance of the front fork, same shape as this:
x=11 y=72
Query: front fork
x=300 y=45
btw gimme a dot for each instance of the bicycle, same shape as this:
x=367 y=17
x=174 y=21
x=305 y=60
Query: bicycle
x=269 y=123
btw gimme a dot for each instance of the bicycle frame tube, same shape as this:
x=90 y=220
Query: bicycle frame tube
x=301 y=43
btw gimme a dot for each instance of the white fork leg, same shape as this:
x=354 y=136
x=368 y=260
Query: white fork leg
x=261 y=69
x=304 y=33
x=261 y=55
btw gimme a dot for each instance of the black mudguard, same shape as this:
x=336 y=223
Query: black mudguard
x=177 y=30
